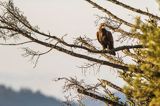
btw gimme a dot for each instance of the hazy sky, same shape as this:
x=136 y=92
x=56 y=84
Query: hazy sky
x=59 y=17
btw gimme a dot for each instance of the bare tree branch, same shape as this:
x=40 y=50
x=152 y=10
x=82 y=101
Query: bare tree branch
x=109 y=13
x=134 y=9
x=104 y=83
x=90 y=94
x=25 y=34
x=123 y=32
x=87 y=90
x=120 y=48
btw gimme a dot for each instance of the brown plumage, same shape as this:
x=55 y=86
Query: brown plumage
x=105 y=38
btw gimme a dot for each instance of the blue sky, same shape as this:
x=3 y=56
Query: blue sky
x=59 y=17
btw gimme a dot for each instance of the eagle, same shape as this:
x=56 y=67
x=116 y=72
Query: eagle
x=105 y=38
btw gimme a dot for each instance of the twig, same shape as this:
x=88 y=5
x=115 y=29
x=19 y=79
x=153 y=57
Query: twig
x=15 y=44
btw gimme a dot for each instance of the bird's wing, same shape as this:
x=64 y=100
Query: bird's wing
x=110 y=36
x=98 y=37
x=110 y=39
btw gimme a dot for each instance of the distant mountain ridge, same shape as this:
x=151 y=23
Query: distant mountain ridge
x=25 y=97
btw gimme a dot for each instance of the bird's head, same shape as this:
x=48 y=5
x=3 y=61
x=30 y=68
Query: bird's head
x=102 y=25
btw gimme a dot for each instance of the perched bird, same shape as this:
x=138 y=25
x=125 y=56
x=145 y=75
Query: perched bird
x=105 y=38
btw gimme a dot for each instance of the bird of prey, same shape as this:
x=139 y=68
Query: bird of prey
x=105 y=38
